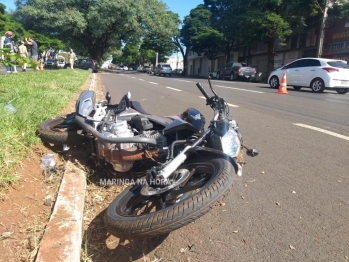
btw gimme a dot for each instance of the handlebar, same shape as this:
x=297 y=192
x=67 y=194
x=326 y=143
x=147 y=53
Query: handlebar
x=203 y=91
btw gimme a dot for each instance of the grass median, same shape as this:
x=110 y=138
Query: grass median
x=26 y=100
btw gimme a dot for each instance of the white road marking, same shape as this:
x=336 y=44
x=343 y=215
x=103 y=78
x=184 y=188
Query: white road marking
x=173 y=88
x=227 y=103
x=323 y=131
x=141 y=79
x=153 y=83
x=241 y=89
x=232 y=105
x=183 y=80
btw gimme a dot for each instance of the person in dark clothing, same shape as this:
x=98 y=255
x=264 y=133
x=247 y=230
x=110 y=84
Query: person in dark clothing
x=34 y=48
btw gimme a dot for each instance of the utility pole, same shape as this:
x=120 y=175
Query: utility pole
x=322 y=30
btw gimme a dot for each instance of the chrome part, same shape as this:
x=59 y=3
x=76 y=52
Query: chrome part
x=174 y=164
x=180 y=175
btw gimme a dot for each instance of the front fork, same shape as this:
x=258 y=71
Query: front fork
x=165 y=173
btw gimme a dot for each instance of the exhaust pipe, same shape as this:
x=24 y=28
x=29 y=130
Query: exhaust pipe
x=81 y=121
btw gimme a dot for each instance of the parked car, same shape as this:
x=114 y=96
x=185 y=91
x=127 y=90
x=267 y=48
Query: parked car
x=213 y=74
x=163 y=69
x=317 y=73
x=177 y=71
x=112 y=66
x=60 y=62
x=51 y=63
x=85 y=63
x=125 y=68
x=147 y=69
x=234 y=70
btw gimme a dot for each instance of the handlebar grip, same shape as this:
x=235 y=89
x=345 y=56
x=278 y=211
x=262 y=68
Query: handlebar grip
x=203 y=91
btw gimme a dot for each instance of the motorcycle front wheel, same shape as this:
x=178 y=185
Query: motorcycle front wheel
x=61 y=130
x=132 y=215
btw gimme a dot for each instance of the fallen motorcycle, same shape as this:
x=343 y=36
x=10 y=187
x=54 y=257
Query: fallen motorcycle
x=189 y=168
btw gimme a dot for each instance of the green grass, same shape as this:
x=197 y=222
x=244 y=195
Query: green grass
x=36 y=96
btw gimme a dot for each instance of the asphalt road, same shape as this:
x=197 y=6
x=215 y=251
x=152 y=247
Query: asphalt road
x=291 y=204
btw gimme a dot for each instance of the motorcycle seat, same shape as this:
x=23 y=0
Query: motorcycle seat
x=164 y=121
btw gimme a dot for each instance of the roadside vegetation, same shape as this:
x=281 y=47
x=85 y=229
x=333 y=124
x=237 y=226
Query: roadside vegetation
x=26 y=100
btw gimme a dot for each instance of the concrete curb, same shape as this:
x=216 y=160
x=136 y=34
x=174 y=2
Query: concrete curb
x=63 y=234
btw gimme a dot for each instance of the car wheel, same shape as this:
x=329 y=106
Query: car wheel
x=232 y=78
x=342 y=91
x=317 y=85
x=274 y=82
x=297 y=87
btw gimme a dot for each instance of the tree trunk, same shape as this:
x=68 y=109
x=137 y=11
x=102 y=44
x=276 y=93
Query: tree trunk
x=271 y=54
x=185 y=64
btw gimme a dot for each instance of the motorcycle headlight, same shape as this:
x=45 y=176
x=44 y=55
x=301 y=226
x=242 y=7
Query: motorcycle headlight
x=231 y=143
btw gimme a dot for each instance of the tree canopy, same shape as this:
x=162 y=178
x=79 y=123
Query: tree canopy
x=94 y=26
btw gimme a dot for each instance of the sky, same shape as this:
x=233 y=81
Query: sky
x=181 y=7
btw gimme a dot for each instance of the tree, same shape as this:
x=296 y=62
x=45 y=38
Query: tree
x=225 y=19
x=94 y=26
x=338 y=11
x=198 y=34
x=261 y=20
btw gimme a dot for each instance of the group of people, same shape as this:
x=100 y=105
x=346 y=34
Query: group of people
x=21 y=49
x=48 y=54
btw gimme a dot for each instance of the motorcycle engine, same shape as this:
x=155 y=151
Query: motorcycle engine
x=115 y=130
x=120 y=128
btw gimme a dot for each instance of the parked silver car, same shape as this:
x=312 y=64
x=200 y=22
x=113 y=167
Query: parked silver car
x=163 y=69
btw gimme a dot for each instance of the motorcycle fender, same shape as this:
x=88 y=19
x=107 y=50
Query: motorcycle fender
x=86 y=102
x=215 y=153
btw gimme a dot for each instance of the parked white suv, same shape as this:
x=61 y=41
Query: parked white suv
x=317 y=73
x=163 y=69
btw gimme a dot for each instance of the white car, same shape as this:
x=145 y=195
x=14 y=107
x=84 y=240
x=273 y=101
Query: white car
x=317 y=73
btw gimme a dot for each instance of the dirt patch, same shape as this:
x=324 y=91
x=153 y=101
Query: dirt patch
x=26 y=207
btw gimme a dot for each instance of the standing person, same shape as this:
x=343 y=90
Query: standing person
x=23 y=52
x=34 y=48
x=71 y=58
x=8 y=43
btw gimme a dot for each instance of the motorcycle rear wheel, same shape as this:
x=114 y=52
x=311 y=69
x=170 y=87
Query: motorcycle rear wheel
x=132 y=215
x=61 y=130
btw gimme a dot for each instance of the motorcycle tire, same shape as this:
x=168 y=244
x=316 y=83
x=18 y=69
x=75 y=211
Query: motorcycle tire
x=61 y=130
x=211 y=181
